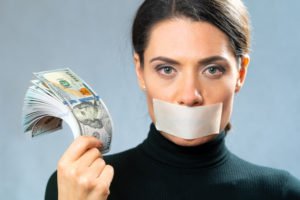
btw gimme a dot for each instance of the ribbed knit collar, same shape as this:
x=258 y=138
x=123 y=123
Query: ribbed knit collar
x=210 y=154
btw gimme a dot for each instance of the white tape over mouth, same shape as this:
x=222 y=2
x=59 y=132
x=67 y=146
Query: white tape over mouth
x=187 y=122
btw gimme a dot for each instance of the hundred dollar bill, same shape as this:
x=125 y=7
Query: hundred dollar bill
x=59 y=95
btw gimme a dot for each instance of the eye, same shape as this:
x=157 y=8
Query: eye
x=214 y=71
x=166 y=70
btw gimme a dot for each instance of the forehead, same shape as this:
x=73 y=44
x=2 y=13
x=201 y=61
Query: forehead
x=181 y=37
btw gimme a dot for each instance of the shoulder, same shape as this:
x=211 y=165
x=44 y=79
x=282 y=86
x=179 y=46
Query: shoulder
x=263 y=173
x=276 y=181
x=291 y=187
x=123 y=157
x=51 y=192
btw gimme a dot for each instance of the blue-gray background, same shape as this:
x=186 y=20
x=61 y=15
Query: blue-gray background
x=92 y=37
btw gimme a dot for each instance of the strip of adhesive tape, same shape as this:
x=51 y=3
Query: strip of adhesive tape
x=187 y=122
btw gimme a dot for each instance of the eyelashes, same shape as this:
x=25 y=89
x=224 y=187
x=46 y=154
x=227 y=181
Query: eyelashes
x=166 y=70
x=212 y=71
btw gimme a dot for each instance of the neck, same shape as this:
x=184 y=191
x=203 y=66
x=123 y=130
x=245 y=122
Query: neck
x=165 y=151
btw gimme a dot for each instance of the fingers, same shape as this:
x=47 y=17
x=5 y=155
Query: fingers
x=79 y=147
x=95 y=169
x=102 y=183
x=82 y=173
x=88 y=158
x=106 y=175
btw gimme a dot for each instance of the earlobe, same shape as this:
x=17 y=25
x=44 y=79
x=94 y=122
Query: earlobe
x=139 y=71
x=238 y=86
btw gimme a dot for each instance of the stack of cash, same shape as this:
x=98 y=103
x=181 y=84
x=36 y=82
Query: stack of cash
x=61 y=95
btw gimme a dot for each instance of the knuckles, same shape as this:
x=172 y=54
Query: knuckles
x=86 y=183
x=101 y=162
x=62 y=166
x=103 y=188
x=72 y=175
x=96 y=152
x=68 y=172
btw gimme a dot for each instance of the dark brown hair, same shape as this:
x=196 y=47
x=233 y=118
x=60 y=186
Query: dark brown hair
x=230 y=16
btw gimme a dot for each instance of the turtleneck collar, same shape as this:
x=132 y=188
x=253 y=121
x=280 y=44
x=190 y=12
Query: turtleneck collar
x=207 y=155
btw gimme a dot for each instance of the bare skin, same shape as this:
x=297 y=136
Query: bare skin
x=82 y=173
x=187 y=63
x=190 y=63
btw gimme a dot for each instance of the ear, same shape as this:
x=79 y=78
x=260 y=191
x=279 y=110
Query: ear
x=139 y=71
x=244 y=63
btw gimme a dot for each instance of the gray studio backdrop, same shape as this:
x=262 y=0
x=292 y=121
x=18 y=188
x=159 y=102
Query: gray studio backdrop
x=92 y=37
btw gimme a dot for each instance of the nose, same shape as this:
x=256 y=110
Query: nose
x=189 y=94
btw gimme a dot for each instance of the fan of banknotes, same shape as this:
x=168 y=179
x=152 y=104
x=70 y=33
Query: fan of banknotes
x=60 y=95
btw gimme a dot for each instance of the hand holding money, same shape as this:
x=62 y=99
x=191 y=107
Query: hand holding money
x=82 y=173
x=61 y=95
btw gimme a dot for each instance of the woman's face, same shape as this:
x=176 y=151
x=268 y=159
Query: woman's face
x=190 y=63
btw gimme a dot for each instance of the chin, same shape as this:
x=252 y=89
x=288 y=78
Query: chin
x=189 y=142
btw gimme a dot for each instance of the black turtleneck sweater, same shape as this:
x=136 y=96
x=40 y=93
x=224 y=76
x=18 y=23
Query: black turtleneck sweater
x=158 y=169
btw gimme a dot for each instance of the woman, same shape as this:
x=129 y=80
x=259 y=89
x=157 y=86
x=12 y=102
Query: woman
x=192 y=54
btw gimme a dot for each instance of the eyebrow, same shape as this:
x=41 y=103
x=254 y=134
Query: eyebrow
x=204 y=61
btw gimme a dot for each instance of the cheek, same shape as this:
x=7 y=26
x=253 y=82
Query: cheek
x=226 y=112
x=150 y=107
x=157 y=89
x=218 y=91
x=228 y=93
x=224 y=92
x=152 y=91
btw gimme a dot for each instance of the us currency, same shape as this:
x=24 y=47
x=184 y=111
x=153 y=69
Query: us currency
x=59 y=95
